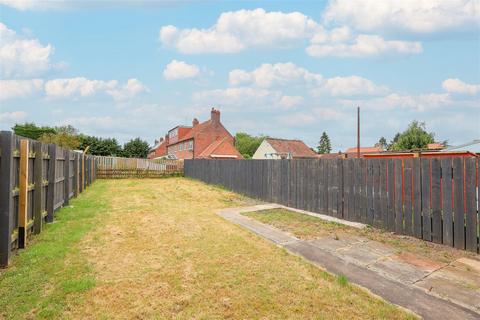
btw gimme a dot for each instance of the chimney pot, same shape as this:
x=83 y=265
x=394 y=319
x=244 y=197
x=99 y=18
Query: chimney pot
x=215 y=115
x=194 y=122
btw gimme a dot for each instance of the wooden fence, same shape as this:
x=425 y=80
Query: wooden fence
x=36 y=179
x=435 y=199
x=117 y=168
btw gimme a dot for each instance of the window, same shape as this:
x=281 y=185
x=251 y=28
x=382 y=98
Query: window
x=190 y=145
x=180 y=147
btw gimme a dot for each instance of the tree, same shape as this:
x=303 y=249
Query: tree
x=324 y=144
x=31 y=130
x=415 y=137
x=100 y=146
x=135 y=148
x=65 y=137
x=247 y=144
x=382 y=142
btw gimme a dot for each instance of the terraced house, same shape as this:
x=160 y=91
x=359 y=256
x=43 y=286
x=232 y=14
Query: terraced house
x=208 y=139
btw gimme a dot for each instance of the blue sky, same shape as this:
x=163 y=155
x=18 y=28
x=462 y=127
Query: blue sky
x=290 y=69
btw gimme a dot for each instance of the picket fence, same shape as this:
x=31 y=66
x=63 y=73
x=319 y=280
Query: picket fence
x=117 y=167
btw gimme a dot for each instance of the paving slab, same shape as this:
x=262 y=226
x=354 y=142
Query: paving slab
x=328 y=243
x=407 y=296
x=430 y=289
x=359 y=254
x=395 y=269
x=271 y=233
x=458 y=282
x=420 y=262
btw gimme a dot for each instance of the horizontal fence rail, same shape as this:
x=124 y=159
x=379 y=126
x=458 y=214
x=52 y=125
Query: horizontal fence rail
x=117 y=167
x=434 y=199
x=36 y=179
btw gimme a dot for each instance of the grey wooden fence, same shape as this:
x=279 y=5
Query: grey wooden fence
x=435 y=199
x=36 y=179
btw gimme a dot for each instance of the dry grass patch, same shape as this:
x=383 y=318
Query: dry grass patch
x=309 y=227
x=164 y=253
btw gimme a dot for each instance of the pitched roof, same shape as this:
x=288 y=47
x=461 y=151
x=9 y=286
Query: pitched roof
x=212 y=151
x=364 y=150
x=198 y=128
x=211 y=148
x=296 y=147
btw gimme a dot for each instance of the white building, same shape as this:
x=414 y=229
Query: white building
x=271 y=148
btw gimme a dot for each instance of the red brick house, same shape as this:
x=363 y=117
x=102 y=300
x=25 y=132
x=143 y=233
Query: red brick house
x=159 y=149
x=208 y=140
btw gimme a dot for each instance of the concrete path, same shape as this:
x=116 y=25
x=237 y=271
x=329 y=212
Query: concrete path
x=430 y=289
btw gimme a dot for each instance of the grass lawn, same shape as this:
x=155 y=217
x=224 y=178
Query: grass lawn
x=309 y=227
x=156 y=249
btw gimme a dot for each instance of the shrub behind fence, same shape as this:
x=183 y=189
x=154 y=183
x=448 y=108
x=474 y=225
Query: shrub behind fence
x=36 y=179
x=435 y=199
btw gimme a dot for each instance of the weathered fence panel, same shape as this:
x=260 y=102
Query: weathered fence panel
x=435 y=199
x=119 y=168
x=36 y=179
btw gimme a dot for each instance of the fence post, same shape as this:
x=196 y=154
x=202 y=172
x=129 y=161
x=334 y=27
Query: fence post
x=6 y=205
x=22 y=194
x=82 y=172
x=66 y=174
x=76 y=179
x=38 y=193
x=52 y=153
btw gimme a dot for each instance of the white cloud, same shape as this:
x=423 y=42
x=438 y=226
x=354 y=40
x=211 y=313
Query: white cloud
x=418 y=16
x=80 y=86
x=350 y=86
x=12 y=117
x=268 y=75
x=83 y=87
x=21 y=57
x=243 y=98
x=290 y=102
x=10 y=89
x=128 y=91
x=239 y=30
x=34 y=4
x=288 y=74
x=458 y=86
x=422 y=102
x=180 y=70
x=360 y=46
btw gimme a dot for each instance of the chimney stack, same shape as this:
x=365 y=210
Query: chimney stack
x=215 y=115
x=161 y=139
x=194 y=122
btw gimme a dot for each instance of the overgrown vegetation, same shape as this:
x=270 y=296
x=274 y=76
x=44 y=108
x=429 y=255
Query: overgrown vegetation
x=247 y=144
x=65 y=136
x=69 y=137
x=135 y=148
x=415 y=137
